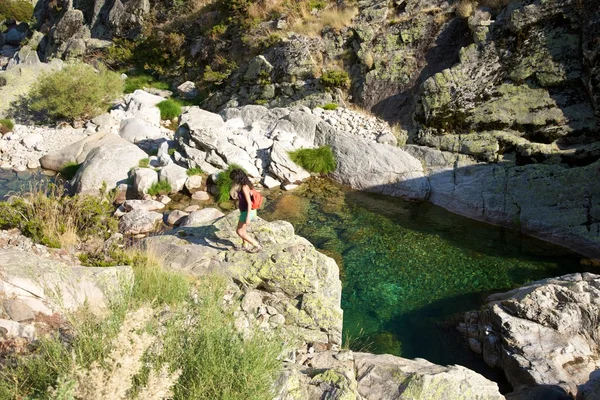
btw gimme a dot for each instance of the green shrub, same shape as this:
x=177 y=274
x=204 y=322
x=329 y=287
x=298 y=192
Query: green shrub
x=217 y=363
x=48 y=217
x=194 y=171
x=261 y=102
x=69 y=170
x=144 y=163
x=160 y=187
x=317 y=4
x=6 y=125
x=335 y=79
x=330 y=107
x=171 y=152
x=76 y=91
x=20 y=10
x=319 y=160
x=224 y=182
x=169 y=109
x=133 y=83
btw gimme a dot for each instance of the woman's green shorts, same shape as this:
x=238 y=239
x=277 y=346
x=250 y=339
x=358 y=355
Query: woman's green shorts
x=244 y=215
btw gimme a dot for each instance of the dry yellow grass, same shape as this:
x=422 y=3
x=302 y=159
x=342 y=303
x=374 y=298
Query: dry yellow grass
x=465 y=8
x=312 y=25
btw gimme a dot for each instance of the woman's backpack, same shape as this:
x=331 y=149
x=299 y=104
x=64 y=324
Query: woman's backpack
x=256 y=198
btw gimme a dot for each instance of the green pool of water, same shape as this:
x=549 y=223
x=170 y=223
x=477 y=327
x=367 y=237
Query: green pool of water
x=12 y=183
x=409 y=270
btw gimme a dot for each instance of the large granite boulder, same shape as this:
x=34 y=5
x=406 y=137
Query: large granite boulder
x=302 y=284
x=75 y=152
x=348 y=375
x=544 y=333
x=374 y=167
x=47 y=286
x=107 y=165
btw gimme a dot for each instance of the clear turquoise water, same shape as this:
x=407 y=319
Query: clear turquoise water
x=409 y=270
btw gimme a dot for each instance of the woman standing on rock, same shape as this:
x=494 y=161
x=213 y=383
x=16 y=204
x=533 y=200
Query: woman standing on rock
x=240 y=178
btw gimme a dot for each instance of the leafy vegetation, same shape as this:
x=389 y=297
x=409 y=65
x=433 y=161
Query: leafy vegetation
x=224 y=182
x=319 y=160
x=132 y=83
x=76 y=91
x=69 y=170
x=111 y=355
x=194 y=171
x=169 y=109
x=6 y=125
x=160 y=187
x=335 y=79
x=48 y=217
x=330 y=106
x=20 y=10
x=144 y=163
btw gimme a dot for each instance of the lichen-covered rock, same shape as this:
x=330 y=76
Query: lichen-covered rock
x=304 y=283
x=47 y=286
x=348 y=375
x=564 y=313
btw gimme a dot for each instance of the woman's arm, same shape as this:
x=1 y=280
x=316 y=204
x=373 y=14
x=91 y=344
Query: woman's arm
x=246 y=192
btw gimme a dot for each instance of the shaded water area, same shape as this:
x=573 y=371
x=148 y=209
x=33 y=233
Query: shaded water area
x=12 y=183
x=410 y=270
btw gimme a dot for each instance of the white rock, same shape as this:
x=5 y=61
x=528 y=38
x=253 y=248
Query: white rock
x=193 y=183
x=290 y=186
x=144 y=205
x=143 y=179
x=137 y=130
x=32 y=139
x=175 y=175
x=201 y=196
x=269 y=182
x=15 y=329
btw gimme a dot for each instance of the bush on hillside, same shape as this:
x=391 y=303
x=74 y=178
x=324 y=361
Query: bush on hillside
x=319 y=160
x=20 y=10
x=335 y=79
x=169 y=109
x=77 y=91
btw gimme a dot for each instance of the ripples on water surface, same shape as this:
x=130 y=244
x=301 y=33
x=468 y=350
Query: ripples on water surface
x=409 y=268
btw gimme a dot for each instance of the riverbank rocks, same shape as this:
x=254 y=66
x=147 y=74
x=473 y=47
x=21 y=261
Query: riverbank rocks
x=544 y=333
x=32 y=285
x=107 y=165
x=300 y=283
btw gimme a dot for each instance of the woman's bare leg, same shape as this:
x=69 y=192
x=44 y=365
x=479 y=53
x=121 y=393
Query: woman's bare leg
x=241 y=231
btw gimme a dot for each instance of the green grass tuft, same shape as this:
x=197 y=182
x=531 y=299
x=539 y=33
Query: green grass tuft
x=169 y=109
x=194 y=171
x=69 y=170
x=330 y=106
x=144 y=163
x=160 y=187
x=319 y=160
x=335 y=79
x=132 y=83
x=6 y=125
x=224 y=183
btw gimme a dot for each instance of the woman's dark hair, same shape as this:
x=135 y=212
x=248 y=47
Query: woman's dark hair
x=239 y=176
